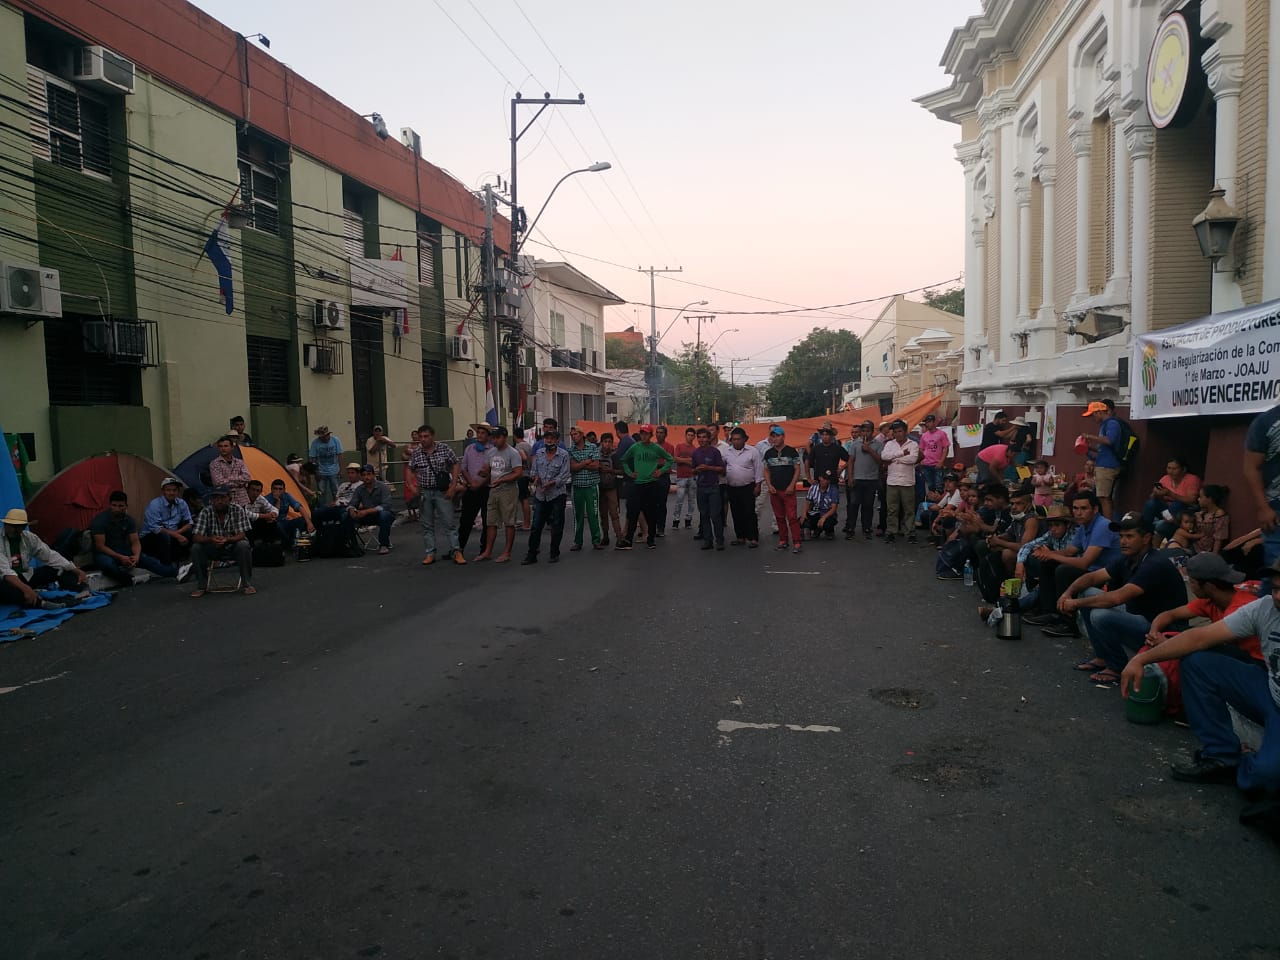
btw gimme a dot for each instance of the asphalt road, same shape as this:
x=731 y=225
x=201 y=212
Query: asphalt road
x=370 y=759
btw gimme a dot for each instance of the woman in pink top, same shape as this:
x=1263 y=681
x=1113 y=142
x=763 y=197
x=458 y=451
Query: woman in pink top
x=1176 y=491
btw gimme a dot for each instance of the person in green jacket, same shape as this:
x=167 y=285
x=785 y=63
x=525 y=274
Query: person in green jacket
x=643 y=463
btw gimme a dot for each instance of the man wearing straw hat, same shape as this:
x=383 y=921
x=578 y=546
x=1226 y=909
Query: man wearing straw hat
x=18 y=580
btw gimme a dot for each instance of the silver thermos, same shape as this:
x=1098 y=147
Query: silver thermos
x=1009 y=626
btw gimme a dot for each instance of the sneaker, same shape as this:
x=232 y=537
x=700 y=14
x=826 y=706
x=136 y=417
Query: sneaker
x=688 y=524
x=51 y=605
x=706 y=546
x=624 y=544
x=888 y=538
x=1040 y=619
x=1202 y=769
x=184 y=571
x=652 y=544
x=661 y=533
x=911 y=538
x=867 y=536
x=555 y=558
x=675 y=524
x=575 y=548
x=951 y=575
x=528 y=560
x=848 y=534
x=796 y=548
x=428 y=560
x=1064 y=628
x=459 y=559
x=781 y=546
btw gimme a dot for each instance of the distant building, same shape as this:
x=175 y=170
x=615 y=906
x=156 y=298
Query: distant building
x=627 y=396
x=911 y=349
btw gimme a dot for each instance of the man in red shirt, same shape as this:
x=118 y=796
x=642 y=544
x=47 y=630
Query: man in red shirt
x=686 y=483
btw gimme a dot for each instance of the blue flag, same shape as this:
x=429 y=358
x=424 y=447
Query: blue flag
x=218 y=248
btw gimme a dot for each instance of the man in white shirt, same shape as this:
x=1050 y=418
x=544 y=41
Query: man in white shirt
x=900 y=455
x=744 y=473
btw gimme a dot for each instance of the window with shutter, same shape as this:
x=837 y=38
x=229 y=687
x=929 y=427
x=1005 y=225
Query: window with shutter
x=557 y=329
x=260 y=197
x=38 y=99
x=352 y=233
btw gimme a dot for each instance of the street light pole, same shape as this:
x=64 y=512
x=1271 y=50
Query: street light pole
x=542 y=104
x=653 y=336
x=594 y=168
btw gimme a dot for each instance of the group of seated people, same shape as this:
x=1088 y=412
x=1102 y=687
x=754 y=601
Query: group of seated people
x=1132 y=587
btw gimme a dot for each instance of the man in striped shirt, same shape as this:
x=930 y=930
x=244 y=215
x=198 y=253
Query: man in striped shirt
x=584 y=466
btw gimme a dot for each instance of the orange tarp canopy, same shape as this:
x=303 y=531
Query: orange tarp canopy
x=799 y=431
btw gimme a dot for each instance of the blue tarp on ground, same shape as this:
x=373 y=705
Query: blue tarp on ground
x=13 y=619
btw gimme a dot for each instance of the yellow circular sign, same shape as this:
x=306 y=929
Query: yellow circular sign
x=1168 y=70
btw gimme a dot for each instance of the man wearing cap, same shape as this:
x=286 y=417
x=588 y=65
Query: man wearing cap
x=504 y=472
x=549 y=475
x=1140 y=586
x=370 y=503
x=475 y=494
x=935 y=445
x=782 y=474
x=745 y=472
x=643 y=463
x=436 y=467
x=326 y=452
x=166 y=526
x=222 y=533
x=19 y=581
x=228 y=470
x=1211 y=683
x=1104 y=443
x=376 y=451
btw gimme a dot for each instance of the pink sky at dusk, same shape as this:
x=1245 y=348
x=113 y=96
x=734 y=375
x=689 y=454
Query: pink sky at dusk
x=773 y=151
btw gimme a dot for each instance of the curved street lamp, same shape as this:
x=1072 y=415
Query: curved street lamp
x=679 y=314
x=594 y=168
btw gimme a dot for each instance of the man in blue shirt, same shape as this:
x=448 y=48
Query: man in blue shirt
x=325 y=451
x=1093 y=547
x=166 y=527
x=549 y=478
x=1105 y=443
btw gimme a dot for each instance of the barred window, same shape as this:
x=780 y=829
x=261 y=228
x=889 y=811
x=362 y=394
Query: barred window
x=68 y=127
x=79 y=366
x=260 y=196
x=268 y=370
x=435 y=391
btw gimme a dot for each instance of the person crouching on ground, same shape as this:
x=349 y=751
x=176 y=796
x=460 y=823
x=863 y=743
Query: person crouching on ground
x=824 y=505
x=18 y=580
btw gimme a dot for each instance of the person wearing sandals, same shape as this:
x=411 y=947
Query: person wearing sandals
x=1141 y=585
x=222 y=533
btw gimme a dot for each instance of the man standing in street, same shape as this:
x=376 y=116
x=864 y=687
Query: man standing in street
x=1106 y=461
x=504 y=471
x=826 y=456
x=744 y=470
x=436 y=467
x=901 y=455
x=686 y=484
x=935 y=446
x=326 y=452
x=228 y=470
x=782 y=473
x=660 y=438
x=644 y=463
x=708 y=468
x=862 y=479
x=611 y=478
x=475 y=493
x=584 y=465
x=525 y=449
x=549 y=482
x=378 y=448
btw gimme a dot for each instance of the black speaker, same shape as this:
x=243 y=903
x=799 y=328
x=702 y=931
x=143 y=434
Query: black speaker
x=1122 y=371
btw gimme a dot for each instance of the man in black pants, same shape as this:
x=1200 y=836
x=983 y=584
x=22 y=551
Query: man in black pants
x=862 y=479
x=475 y=496
x=744 y=470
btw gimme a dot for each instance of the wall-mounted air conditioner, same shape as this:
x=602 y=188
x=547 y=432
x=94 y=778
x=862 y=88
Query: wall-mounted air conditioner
x=100 y=68
x=330 y=314
x=30 y=289
x=461 y=348
x=322 y=359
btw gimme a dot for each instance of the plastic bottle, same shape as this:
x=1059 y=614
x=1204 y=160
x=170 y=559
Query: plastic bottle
x=968 y=573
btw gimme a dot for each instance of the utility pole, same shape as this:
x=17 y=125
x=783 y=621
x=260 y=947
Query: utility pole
x=518 y=101
x=697 y=367
x=491 y=304
x=653 y=271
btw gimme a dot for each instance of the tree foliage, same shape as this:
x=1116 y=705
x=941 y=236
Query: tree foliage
x=624 y=355
x=693 y=389
x=952 y=301
x=822 y=361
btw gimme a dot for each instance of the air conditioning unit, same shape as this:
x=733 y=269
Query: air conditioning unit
x=330 y=314
x=322 y=359
x=575 y=359
x=100 y=68
x=129 y=341
x=30 y=289
x=461 y=348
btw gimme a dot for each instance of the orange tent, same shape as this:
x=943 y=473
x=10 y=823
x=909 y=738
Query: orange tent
x=799 y=431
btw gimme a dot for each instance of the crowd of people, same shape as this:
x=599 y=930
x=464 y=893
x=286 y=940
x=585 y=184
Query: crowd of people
x=1045 y=545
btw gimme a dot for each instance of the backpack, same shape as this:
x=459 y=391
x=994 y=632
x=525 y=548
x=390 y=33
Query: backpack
x=1127 y=446
x=989 y=576
x=952 y=556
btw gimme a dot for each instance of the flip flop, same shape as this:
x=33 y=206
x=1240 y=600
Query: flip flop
x=1105 y=678
x=250 y=591
x=197 y=594
x=502 y=559
x=480 y=559
x=1092 y=665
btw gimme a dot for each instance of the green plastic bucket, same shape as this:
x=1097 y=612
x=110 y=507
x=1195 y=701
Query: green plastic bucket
x=1146 y=700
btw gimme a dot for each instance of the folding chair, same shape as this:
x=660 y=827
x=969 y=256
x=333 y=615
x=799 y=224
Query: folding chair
x=212 y=584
